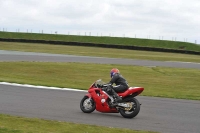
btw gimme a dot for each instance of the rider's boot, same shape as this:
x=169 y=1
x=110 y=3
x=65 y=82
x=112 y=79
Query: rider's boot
x=116 y=97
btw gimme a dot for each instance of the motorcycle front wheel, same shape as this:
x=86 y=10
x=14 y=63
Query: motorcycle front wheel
x=87 y=105
x=133 y=111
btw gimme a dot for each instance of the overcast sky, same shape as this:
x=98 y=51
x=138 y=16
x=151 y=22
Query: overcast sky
x=155 y=19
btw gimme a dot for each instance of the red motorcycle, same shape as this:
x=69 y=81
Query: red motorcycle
x=97 y=98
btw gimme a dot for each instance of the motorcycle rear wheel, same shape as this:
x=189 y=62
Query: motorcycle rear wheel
x=87 y=105
x=133 y=112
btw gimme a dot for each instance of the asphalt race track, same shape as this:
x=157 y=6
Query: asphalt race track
x=31 y=56
x=157 y=114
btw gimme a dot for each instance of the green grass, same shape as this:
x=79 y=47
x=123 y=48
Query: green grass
x=14 y=124
x=101 y=52
x=103 y=40
x=157 y=81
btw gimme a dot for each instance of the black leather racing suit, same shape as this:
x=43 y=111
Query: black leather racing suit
x=120 y=81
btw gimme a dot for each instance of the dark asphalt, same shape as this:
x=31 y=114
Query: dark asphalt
x=30 y=56
x=157 y=114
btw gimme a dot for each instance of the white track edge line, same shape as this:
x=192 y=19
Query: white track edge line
x=40 y=87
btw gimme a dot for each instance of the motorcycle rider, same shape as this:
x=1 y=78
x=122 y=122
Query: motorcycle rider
x=120 y=82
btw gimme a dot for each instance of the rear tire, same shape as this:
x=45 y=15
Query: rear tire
x=133 y=112
x=86 y=105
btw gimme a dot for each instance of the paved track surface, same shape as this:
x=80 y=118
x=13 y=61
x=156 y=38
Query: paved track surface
x=31 y=56
x=157 y=114
x=162 y=115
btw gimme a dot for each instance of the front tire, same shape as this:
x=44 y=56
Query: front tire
x=133 y=111
x=87 y=105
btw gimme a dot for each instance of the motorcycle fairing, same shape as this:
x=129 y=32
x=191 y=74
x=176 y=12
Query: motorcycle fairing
x=131 y=91
x=97 y=94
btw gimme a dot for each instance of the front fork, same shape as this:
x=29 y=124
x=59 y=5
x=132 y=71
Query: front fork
x=89 y=95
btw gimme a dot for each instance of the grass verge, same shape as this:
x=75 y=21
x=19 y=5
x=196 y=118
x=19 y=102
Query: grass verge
x=100 y=52
x=103 y=40
x=157 y=81
x=14 y=124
